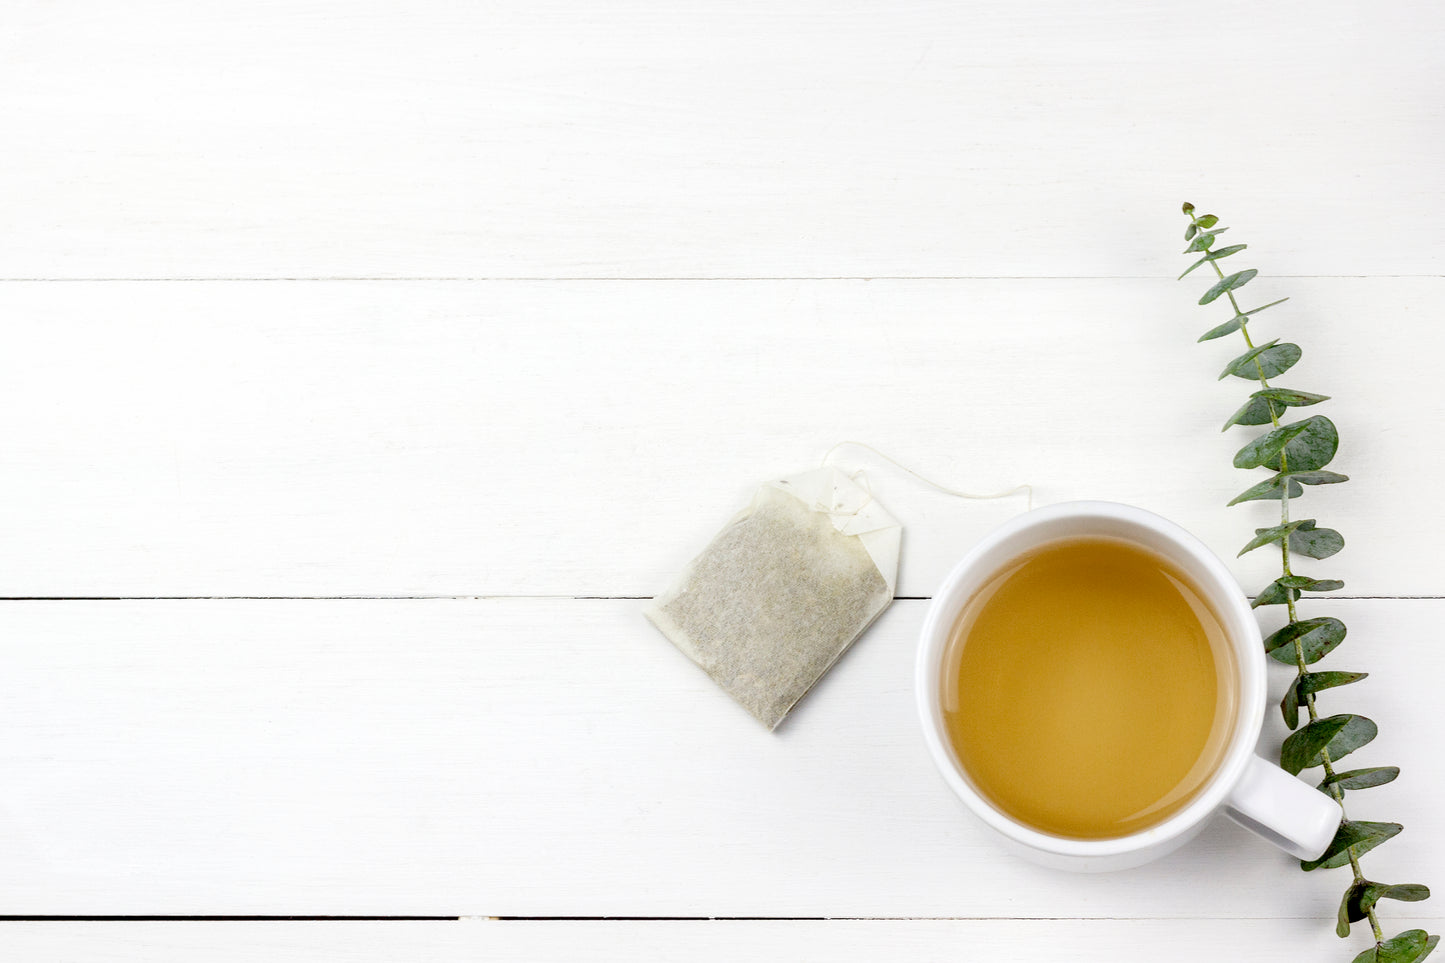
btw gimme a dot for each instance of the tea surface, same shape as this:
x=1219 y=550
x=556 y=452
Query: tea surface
x=1088 y=689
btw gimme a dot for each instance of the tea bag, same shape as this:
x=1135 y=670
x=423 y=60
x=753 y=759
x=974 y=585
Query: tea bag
x=783 y=590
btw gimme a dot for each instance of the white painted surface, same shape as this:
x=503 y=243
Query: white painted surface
x=611 y=941
x=588 y=438
x=797 y=139
x=556 y=757
x=551 y=440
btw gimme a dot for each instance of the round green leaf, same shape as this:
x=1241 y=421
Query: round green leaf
x=1303 y=446
x=1266 y=536
x=1338 y=735
x=1411 y=946
x=1312 y=682
x=1246 y=359
x=1315 y=542
x=1311 y=449
x=1302 y=749
x=1354 y=835
x=1318 y=477
x=1228 y=327
x=1407 y=892
x=1290 y=398
x=1228 y=283
x=1352 y=908
x=1266 y=448
x=1255 y=411
x=1274 y=487
x=1272 y=362
x=1361 y=778
x=1317 y=637
x=1304 y=583
x=1275 y=593
x=1307 y=684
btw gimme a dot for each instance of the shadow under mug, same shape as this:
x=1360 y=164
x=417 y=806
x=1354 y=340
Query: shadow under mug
x=1254 y=793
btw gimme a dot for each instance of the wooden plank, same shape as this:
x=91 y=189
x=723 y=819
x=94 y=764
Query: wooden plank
x=545 y=139
x=926 y=941
x=588 y=438
x=557 y=757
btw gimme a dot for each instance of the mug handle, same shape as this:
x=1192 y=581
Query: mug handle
x=1288 y=812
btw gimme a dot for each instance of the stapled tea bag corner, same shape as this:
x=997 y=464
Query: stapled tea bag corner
x=783 y=590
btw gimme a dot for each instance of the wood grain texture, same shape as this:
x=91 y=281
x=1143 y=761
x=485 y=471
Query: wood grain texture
x=824 y=941
x=797 y=139
x=588 y=438
x=559 y=758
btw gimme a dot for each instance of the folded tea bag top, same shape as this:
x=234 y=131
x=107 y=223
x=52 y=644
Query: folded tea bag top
x=783 y=590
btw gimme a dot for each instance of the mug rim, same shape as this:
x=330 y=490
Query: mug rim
x=1223 y=593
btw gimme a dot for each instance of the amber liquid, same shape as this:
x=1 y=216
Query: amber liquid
x=1088 y=689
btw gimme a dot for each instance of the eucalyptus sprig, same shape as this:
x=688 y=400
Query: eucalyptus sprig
x=1296 y=455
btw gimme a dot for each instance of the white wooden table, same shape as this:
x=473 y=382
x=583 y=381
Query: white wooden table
x=367 y=363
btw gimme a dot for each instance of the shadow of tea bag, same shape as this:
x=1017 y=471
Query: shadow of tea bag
x=783 y=590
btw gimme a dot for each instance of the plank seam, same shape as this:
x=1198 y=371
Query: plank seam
x=536 y=598
x=700 y=278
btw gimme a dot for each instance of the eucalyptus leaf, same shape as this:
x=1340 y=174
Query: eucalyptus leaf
x=1296 y=693
x=1265 y=536
x=1223 y=252
x=1311 y=450
x=1338 y=735
x=1358 y=731
x=1263 y=307
x=1275 y=594
x=1306 y=584
x=1363 y=894
x=1291 y=398
x=1228 y=327
x=1357 y=835
x=1361 y=778
x=1203 y=240
x=1289 y=706
x=1315 y=542
x=1246 y=359
x=1312 y=682
x=1208 y=220
x=1229 y=282
x=1190 y=269
x=1255 y=411
x=1309 y=632
x=1273 y=487
x=1317 y=637
x=1407 y=892
x=1303 y=446
x=1305 y=745
x=1352 y=905
x=1411 y=946
x=1191 y=230
x=1271 y=363
x=1266 y=447
x=1318 y=477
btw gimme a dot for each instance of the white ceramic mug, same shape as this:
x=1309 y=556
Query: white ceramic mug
x=1255 y=793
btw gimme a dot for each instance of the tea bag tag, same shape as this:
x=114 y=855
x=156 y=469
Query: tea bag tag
x=855 y=512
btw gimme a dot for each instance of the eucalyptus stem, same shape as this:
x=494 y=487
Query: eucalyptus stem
x=1297 y=453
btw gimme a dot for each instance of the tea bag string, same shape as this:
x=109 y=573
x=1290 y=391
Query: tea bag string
x=1027 y=489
